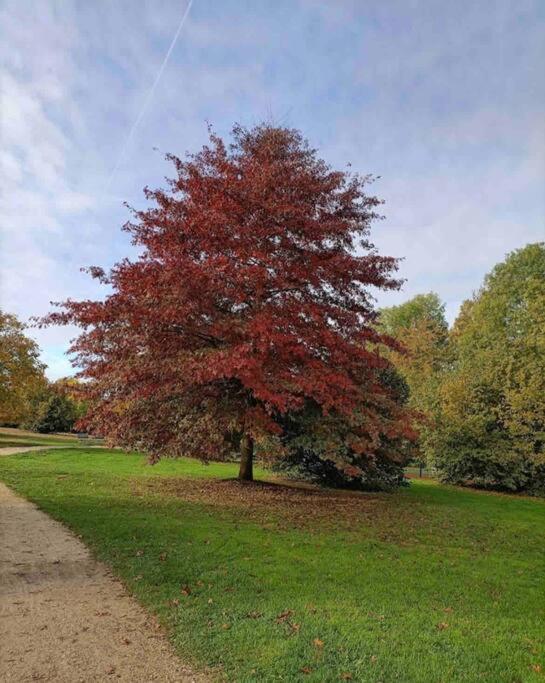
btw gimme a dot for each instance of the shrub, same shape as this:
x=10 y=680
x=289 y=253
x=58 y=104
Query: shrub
x=471 y=455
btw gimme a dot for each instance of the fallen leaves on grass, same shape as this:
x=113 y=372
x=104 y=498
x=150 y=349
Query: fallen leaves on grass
x=318 y=643
x=442 y=626
x=271 y=503
x=283 y=616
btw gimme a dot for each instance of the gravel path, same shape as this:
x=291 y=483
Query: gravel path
x=63 y=617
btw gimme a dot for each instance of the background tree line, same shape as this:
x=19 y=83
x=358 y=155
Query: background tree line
x=27 y=398
x=480 y=386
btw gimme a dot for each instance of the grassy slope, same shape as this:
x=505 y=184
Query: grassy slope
x=433 y=584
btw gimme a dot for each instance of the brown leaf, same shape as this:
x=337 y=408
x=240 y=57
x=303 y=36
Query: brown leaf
x=254 y=615
x=163 y=557
x=306 y=670
x=318 y=643
x=226 y=627
x=536 y=668
x=283 y=616
x=139 y=553
x=345 y=676
x=442 y=626
x=186 y=590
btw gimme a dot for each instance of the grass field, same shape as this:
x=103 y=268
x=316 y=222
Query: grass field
x=19 y=437
x=273 y=583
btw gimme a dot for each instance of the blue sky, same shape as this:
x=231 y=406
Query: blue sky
x=445 y=101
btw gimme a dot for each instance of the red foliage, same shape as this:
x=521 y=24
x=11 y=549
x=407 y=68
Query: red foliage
x=250 y=296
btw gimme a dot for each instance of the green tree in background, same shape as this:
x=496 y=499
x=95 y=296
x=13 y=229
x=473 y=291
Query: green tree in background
x=422 y=309
x=57 y=407
x=420 y=326
x=491 y=431
x=21 y=372
x=55 y=414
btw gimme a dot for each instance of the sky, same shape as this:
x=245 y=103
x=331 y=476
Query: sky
x=445 y=101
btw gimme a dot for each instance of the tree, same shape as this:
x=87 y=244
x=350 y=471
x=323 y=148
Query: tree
x=422 y=309
x=21 y=372
x=247 y=301
x=56 y=407
x=492 y=429
x=73 y=390
x=53 y=412
x=420 y=326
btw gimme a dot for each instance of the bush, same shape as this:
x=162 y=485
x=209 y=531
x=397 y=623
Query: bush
x=489 y=460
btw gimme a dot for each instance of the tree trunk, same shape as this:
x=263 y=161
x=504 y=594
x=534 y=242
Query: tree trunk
x=246 y=472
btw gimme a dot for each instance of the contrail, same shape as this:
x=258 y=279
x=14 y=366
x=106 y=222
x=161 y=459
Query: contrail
x=150 y=95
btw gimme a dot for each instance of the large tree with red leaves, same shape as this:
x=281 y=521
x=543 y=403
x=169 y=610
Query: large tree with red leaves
x=251 y=299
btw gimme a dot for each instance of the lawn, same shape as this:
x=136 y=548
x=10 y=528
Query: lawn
x=273 y=583
x=19 y=437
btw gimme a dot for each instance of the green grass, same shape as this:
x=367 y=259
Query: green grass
x=433 y=583
x=16 y=437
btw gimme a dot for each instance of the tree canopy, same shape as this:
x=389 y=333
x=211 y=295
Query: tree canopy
x=420 y=327
x=492 y=430
x=21 y=371
x=252 y=297
x=422 y=310
x=56 y=407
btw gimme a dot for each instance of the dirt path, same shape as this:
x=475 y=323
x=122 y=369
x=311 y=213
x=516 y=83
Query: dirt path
x=63 y=617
